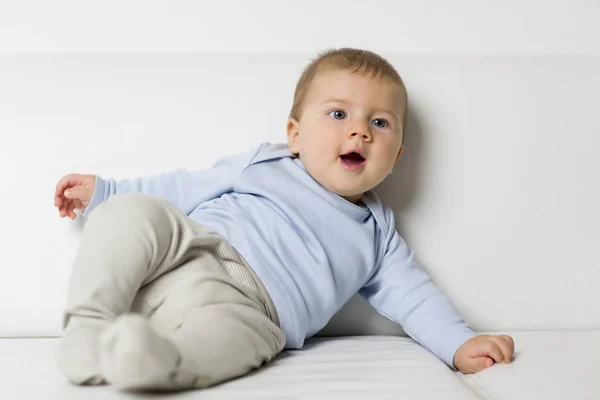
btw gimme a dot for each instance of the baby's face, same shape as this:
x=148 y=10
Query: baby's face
x=350 y=132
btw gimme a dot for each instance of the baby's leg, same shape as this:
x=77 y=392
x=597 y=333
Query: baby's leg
x=127 y=242
x=215 y=322
x=215 y=343
x=220 y=342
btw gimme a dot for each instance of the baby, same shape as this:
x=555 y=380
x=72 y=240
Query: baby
x=188 y=279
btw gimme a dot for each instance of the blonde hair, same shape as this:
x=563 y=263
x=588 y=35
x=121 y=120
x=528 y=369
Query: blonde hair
x=357 y=61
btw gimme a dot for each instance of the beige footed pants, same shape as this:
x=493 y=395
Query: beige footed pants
x=157 y=302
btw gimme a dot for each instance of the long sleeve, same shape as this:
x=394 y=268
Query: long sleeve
x=403 y=292
x=185 y=189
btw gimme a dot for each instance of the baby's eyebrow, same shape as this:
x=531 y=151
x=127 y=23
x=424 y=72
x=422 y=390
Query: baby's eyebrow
x=332 y=100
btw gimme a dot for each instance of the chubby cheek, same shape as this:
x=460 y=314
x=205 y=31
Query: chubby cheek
x=320 y=140
x=391 y=152
x=387 y=156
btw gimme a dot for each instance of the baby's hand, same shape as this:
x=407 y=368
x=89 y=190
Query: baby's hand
x=74 y=191
x=482 y=352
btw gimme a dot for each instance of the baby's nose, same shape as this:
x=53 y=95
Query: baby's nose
x=364 y=134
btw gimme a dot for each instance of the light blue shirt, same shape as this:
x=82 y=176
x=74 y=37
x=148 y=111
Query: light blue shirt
x=312 y=249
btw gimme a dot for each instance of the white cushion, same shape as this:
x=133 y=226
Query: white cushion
x=548 y=365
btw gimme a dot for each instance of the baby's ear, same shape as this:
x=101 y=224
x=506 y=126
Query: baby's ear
x=399 y=153
x=293 y=135
x=397 y=158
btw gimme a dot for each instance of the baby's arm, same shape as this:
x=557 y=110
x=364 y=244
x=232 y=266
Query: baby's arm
x=185 y=189
x=402 y=291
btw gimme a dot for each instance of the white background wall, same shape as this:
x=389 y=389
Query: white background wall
x=259 y=26
x=497 y=192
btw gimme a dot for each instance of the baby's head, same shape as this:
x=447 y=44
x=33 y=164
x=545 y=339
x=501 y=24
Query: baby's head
x=347 y=121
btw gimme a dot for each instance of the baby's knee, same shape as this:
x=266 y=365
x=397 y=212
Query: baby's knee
x=130 y=201
x=130 y=208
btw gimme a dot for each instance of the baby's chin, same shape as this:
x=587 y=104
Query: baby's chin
x=348 y=187
x=353 y=195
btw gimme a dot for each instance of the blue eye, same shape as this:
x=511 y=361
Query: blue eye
x=338 y=114
x=380 y=123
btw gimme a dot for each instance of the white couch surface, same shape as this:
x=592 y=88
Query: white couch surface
x=356 y=367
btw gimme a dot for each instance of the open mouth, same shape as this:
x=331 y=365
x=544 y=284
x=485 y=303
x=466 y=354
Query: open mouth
x=352 y=160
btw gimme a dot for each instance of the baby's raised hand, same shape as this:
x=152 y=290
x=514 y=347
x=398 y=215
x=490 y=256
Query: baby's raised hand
x=483 y=351
x=73 y=191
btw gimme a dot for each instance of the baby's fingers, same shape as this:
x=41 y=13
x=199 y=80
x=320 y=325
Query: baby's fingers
x=71 y=210
x=476 y=364
x=59 y=200
x=482 y=363
x=493 y=351
x=64 y=208
x=506 y=345
x=62 y=184
x=67 y=182
x=59 y=197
